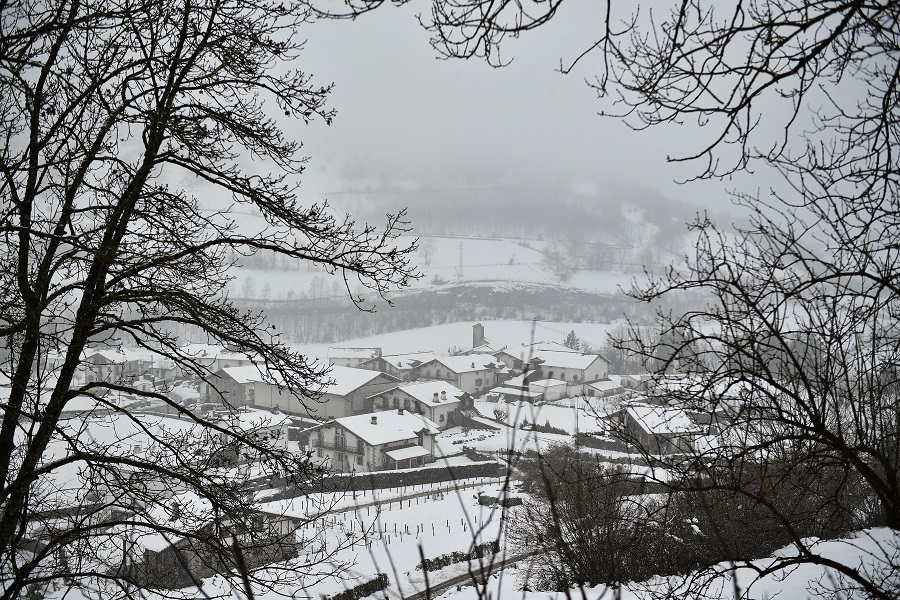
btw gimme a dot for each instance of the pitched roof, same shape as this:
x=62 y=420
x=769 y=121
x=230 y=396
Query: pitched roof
x=110 y=354
x=248 y=374
x=604 y=385
x=424 y=392
x=346 y=380
x=465 y=364
x=198 y=351
x=411 y=360
x=566 y=360
x=253 y=419
x=390 y=426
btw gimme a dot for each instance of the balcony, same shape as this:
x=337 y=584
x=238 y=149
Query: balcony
x=338 y=446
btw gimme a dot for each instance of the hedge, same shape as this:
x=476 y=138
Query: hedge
x=546 y=428
x=379 y=480
x=368 y=588
x=451 y=558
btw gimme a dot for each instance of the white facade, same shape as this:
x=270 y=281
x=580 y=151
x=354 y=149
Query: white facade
x=375 y=441
x=473 y=374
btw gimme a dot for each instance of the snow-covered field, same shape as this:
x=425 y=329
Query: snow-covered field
x=441 y=260
x=499 y=333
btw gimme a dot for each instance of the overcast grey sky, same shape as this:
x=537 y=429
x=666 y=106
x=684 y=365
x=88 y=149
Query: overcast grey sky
x=408 y=119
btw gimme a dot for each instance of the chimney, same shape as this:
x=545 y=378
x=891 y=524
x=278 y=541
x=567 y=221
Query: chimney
x=477 y=335
x=374 y=420
x=399 y=411
x=443 y=396
x=435 y=399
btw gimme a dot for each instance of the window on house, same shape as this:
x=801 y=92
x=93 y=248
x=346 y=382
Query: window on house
x=396 y=402
x=359 y=447
x=437 y=373
x=359 y=459
x=319 y=453
x=441 y=418
x=550 y=375
x=428 y=373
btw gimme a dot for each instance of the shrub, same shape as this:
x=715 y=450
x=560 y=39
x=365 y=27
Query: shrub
x=368 y=588
x=451 y=558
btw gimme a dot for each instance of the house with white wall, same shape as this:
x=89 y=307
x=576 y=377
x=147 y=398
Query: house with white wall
x=570 y=366
x=395 y=439
x=439 y=401
x=655 y=428
x=474 y=374
x=549 y=389
x=349 y=392
x=404 y=366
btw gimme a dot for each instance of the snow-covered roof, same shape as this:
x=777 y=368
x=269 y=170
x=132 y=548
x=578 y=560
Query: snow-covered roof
x=566 y=360
x=186 y=391
x=403 y=362
x=465 y=364
x=110 y=354
x=662 y=419
x=426 y=391
x=361 y=353
x=247 y=374
x=390 y=426
x=211 y=351
x=484 y=349
x=605 y=385
x=517 y=381
x=347 y=379
x=186 y=511
x=249 y=419
x=408 y=452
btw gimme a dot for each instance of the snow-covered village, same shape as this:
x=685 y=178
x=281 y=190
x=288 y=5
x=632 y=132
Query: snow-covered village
x=459 y=299
x=430 y=467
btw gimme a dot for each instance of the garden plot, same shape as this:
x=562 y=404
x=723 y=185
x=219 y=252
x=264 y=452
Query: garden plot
x=393 y=535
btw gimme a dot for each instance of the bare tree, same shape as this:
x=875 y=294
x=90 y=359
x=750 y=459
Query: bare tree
x=426 y=250
x=584 y=522
x=794 y=356
x=107 y=107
